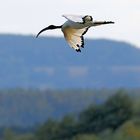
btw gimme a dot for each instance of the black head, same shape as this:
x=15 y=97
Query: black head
x=52 y=27
x=87 y=18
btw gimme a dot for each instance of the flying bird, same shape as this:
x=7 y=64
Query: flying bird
x=74 y=29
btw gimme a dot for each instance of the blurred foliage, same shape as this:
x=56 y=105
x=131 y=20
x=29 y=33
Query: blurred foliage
x=115 y=111
x=118 y=118
x=85 y=137
x=9 y=134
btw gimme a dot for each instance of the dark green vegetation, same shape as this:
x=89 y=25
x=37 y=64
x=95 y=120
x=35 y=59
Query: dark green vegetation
x=26 y=108
x=117 y=117
x=48 y=62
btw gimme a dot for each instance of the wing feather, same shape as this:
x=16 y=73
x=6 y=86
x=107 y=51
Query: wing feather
x=74 y=18
x=75 y=37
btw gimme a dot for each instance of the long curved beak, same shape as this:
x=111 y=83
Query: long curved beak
x=42 y=31
x=97 y=23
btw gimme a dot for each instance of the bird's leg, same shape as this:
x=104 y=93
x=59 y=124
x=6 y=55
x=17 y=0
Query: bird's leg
x=97 y=23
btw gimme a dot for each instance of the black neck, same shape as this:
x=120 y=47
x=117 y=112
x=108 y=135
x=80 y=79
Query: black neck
x=56 y=27
x=51 y=27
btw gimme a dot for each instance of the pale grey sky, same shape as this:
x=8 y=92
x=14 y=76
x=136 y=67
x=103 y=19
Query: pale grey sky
x=29 y=16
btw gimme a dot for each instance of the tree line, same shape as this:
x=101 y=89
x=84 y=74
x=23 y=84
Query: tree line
x=118 y=118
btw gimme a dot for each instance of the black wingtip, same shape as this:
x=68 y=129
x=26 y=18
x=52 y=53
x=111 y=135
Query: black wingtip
x=82 y=41
x=78 y=50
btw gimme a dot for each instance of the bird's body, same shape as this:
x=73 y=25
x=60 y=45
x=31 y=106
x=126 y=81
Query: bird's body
x=74 y=29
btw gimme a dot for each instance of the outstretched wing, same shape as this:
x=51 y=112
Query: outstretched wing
x=75 y=37
x=74 y=18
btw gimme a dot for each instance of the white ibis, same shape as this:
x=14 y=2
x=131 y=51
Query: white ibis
x=74 y=29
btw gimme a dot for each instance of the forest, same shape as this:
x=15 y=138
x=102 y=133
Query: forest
x=116 y=118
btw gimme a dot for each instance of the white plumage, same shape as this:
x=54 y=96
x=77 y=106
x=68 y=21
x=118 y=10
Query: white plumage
x=74 y=29
x=74 y=18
